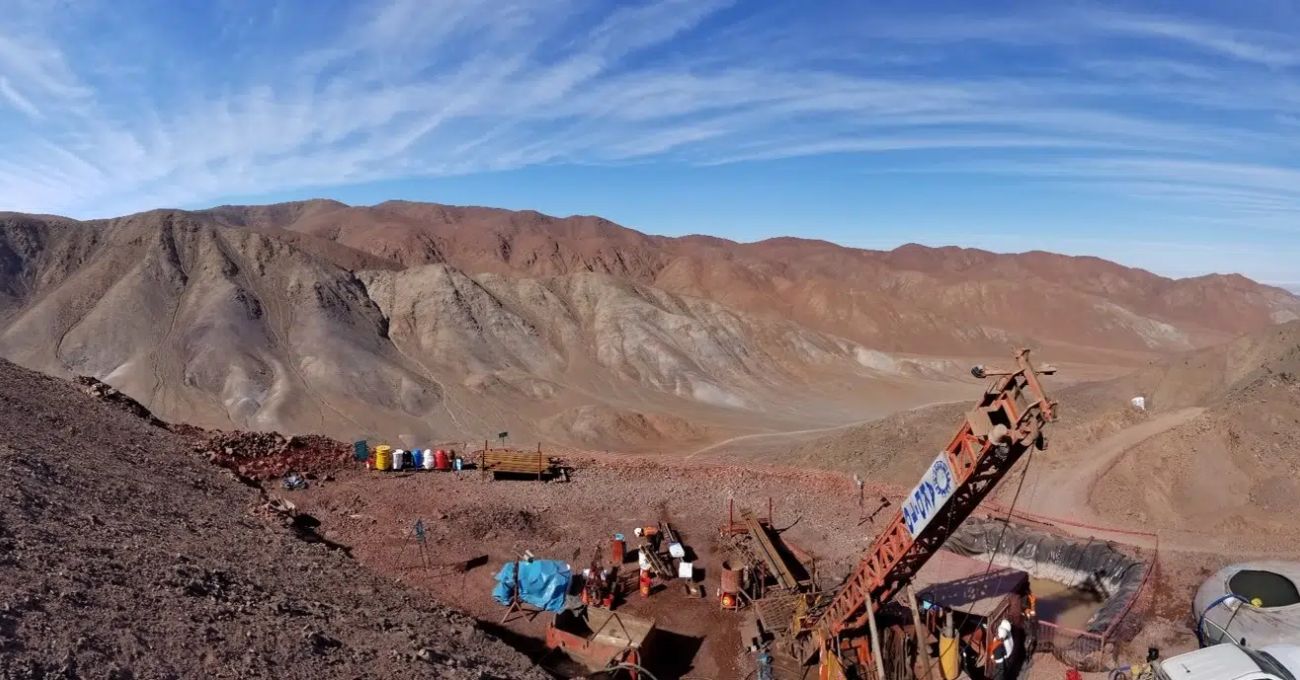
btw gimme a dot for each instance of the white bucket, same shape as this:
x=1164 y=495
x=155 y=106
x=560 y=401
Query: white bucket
x=676 y=550
x=428 y=459
x=399 y=459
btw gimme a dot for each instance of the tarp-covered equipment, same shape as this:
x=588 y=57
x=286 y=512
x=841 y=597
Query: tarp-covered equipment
x=539 y=583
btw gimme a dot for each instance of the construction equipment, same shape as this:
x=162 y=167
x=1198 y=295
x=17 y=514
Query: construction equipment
x=648 y=552
x=601 y=639
x=600 y=584
x=1006 y=422
x=771 y=555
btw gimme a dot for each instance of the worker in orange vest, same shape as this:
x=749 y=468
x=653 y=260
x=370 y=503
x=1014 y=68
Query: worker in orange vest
x=1001 y=650
x=1031 y=624
x=650 y=534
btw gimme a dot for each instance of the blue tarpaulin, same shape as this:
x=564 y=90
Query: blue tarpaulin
x=542 y=583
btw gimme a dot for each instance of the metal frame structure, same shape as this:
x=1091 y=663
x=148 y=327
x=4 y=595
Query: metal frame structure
x=1003 y=426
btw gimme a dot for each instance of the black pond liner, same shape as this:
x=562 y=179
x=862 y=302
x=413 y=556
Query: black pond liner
x=1080 y=563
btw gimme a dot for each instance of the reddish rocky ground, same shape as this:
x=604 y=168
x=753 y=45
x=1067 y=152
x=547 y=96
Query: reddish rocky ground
x=129 y=554
x=470 y=516
x=123 y=554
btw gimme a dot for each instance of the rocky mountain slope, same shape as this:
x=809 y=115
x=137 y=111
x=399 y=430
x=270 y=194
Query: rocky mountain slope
x=418 y=321
x=913 y=299
x=124 y=556
x=230 y=327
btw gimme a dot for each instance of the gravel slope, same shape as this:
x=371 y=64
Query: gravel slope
x=124 y=555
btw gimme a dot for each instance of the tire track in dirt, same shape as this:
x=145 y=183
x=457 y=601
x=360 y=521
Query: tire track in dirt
x=770 y=435
x=815 y=430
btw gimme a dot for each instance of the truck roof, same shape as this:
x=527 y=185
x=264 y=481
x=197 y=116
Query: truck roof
x=1220 y=662
x=1229 y=662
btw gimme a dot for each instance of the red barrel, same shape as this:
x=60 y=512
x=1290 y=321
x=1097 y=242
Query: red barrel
x=645 y=583
x=730 y=579
x=441 y=461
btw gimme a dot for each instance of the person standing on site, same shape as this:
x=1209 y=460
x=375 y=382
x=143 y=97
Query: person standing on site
x=1030 y=624
x=650 y=534
x=1002 y=650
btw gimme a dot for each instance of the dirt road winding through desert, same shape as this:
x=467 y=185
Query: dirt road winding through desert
x=1065 y=489
x=797 y=436
x=772 y=435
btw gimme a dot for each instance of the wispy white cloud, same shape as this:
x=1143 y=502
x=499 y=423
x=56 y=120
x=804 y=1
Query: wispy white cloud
x=40 y=67
x=416 y=88
x=17 y=100
x=1260 y=47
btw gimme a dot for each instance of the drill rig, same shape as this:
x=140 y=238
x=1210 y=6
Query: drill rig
x=1006 y=422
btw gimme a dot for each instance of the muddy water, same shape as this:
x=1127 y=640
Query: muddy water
x=1063 y=605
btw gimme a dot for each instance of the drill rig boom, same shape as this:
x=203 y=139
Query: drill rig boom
x=1006 y=422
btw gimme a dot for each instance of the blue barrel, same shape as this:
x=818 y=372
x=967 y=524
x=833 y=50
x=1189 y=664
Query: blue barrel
x=417 y=458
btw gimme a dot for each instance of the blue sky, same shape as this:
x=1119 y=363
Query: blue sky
x=1162 y=134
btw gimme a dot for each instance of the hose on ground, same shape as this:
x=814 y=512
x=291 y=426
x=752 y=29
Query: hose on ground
x=628 y=666
x=1200 y=620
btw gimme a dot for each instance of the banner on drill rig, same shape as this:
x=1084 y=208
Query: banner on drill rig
x=928 y=498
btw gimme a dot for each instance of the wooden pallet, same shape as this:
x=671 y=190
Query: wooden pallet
x=511 y=461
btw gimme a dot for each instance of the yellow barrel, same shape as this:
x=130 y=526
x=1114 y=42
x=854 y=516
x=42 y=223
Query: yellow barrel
x=383 y=457
x=949 y=658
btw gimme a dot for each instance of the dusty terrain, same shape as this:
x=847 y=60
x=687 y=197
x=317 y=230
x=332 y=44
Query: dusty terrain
x=469 y=515
x=681 y=373
x=419 y=321
x=162 y=498
x=1209 y=463
x=125 y=555
x=1093 y=478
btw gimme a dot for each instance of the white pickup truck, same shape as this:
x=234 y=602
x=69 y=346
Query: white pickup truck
x=1230 y=662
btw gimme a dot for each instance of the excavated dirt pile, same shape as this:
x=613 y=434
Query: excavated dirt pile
x=125 y=555
x=267 y=455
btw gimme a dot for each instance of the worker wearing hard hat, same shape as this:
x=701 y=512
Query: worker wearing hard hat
x=1001 y=650
x=650 y=534
x=1030 y=624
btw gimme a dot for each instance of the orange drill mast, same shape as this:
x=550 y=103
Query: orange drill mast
x=1006 y=423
